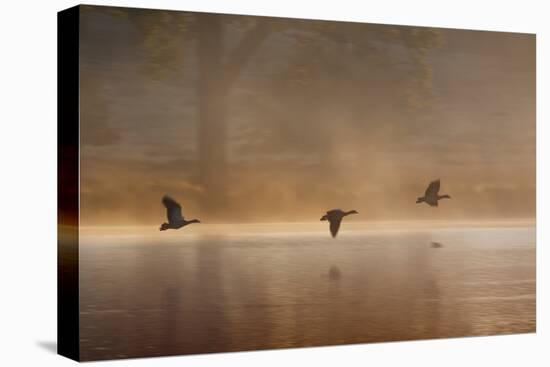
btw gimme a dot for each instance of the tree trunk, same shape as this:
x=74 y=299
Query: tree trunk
x=212 y=110
x=216 y=76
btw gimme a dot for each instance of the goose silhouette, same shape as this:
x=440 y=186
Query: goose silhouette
x=334 y=217
x=173 y=213
x=431 y=196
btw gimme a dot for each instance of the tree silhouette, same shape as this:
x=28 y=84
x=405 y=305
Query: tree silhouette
x=314 y=51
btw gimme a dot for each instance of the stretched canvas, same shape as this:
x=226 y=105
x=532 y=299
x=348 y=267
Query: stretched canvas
x=233 y=182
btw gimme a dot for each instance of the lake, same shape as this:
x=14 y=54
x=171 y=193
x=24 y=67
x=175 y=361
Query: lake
x=244 y=287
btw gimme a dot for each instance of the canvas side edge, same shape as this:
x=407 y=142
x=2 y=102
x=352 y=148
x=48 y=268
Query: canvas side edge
x=68 y=331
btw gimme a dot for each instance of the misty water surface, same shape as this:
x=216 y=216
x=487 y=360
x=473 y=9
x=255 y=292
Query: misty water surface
x=185 y=292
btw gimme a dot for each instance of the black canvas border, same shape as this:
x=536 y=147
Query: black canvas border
x=68 y=30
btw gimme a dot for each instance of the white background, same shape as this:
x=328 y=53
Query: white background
x=28 y=183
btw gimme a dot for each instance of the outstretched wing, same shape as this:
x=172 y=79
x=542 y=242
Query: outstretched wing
x=433 y=188
x=335 y=226
x=173 y=209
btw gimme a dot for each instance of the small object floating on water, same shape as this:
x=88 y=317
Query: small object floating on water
x=436 y=245
x=431 y=196
x=174 y=215
x=334 y=273
x=335 y=217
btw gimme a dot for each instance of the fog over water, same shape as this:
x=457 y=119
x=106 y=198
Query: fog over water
x=317 y=115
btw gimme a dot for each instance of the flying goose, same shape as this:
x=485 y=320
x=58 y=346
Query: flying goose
x=431 y=197
x=173 y=213
x=334 y=217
